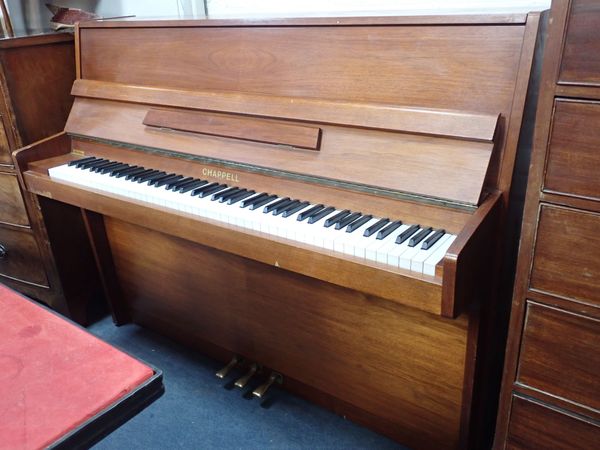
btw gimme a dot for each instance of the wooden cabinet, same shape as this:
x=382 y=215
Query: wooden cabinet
x=36 y=75
x=551 y=386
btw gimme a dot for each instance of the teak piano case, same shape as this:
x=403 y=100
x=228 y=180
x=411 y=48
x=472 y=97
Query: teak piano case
x=412 y=117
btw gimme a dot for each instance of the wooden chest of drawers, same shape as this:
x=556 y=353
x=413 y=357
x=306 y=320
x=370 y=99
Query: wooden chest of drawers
x=36 y=75
x=551 y=387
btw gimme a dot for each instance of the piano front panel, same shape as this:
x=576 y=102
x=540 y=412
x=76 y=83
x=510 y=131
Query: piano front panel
x=399 y=364
x=458 y=67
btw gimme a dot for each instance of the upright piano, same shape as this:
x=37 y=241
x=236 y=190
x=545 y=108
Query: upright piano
x=320 y=197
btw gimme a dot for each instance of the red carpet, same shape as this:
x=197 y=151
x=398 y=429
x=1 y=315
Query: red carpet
x=53 y=375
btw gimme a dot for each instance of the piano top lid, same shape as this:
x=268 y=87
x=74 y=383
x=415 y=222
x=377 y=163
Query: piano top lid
x=402 y=106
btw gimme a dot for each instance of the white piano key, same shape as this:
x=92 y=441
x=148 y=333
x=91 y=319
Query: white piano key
x=416 y=263
x=430 y=263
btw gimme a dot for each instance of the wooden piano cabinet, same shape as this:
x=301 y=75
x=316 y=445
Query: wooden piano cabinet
x=35 y=79
x=550 y=394
x=356 y=121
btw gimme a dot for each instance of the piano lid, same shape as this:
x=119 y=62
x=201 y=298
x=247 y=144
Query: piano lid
x=398 y=107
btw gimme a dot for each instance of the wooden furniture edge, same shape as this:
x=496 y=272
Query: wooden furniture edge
x=471 y=249
x=215 y=21
x=230 y=239
x=427 y=121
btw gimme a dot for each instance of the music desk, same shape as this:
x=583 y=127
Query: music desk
x=61 y=387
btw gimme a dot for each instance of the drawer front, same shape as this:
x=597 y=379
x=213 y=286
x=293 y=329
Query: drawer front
x=560 y=354
x=12 y=208
x=566 y=258
x=573 y=165
x=534 y=426
x=5 y=158
x=20 y=257
x=581 y=55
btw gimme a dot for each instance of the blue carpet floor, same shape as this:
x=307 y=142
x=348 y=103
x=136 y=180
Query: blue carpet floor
x=198 y=411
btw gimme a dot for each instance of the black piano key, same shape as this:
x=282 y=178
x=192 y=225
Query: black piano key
x=122 y=173
x=82 y=160
x=146 y=173
x=97 y=167
x=166 y=180
x=88 y=164
x=359 y=223
x=240 y=196
x=376 y=227
x=254 y=199
x=348 y=220
x=270 y=207
x=118 y=170
x=150 y=176
x=335 y=219
x=112 y=170
x=132 y=176
x=82 y=163
x=153 y=180
x=172 y=184
x=187 y=187
x=202 y=188
x=283 y=206
x=264 y=201
x=291 y=210
x=407 y=233
x=212 y=190
x=225 y=193
x=107 y=167
x=387 y=230
x=318 y=216
x=225 y=198
x=309 y=212
x=428 y=243
x=419 y=236
x=128 y=175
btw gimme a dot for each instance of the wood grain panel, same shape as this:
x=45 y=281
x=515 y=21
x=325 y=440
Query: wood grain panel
x=236 y=127
x=573 y=166
x=12 y=208
x=440 y=168
x=581 y=54
x=5 y=157
x=469 y=68
x=21 y=258
x=399 y=364
x=560 y=354
x=534 y=426
x=41 y=102
x=566 y=254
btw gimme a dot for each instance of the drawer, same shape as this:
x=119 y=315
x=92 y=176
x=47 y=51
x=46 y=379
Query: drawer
x=566 y=255
x=573 y=164
x=581 y=55
x=20 y=257
x=5 y=158
x=560 y=354
x=535 y=426
x=12 y=208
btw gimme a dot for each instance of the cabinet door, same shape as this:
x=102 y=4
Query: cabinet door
x=20 y=257
x=12 y=208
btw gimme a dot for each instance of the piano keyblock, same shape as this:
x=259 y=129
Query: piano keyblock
x=366 y=237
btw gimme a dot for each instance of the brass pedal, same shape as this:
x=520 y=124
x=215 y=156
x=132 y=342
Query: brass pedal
x=261 y=391
x=243 y=381
x=225 y=370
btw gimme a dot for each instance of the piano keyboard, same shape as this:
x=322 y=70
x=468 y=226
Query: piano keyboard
x=406 y=246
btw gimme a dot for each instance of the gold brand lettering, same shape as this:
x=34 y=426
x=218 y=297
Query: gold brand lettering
x=221 y=174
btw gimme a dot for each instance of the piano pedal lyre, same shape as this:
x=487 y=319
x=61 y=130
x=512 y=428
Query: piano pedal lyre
x=261 y=391
x=225 y=370
x=243 y=381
